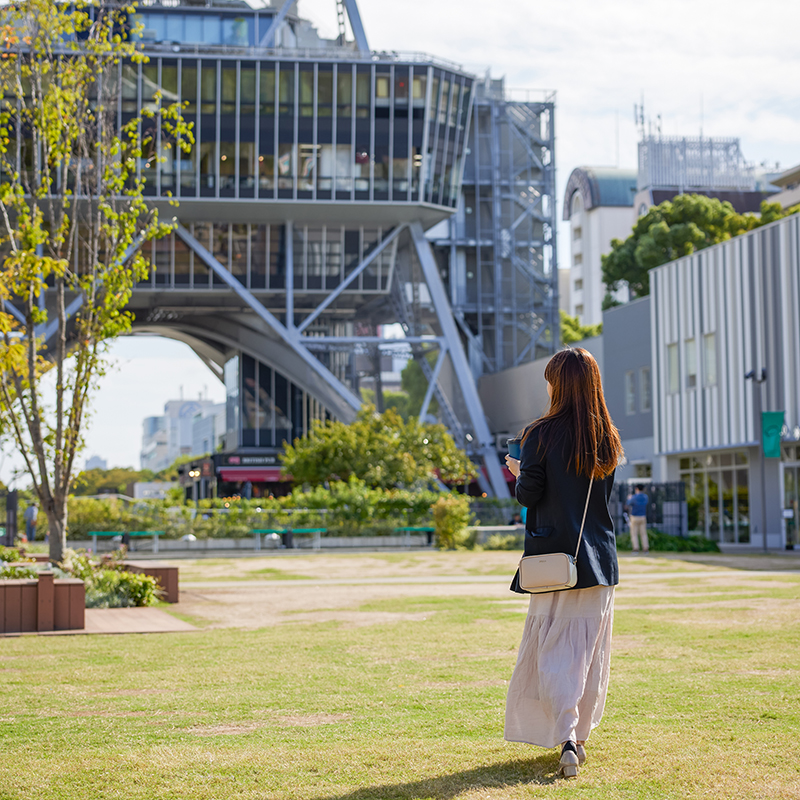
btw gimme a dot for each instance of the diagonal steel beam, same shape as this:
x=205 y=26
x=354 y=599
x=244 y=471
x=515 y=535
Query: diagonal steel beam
x=355 y=23
x=351 y=277
x=432 y=382
x=14 y=311
x=268 y=39
x=458 y=357
x=348 y=400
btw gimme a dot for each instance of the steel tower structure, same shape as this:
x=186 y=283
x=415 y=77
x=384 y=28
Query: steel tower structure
x=317 y=169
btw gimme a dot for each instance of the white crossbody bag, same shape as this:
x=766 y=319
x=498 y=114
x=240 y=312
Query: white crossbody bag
x=552 y=571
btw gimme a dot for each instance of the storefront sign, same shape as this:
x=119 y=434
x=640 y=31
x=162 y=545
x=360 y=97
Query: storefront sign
x=771 y=427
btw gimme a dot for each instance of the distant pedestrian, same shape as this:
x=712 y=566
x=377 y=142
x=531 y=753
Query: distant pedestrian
x=637 y=504
x=31 y=515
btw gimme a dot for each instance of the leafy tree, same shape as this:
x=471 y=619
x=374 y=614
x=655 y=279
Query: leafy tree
x=100 y=481
x=399 y=401
x=73 y=219
x=170 y=473
x=415 y=385
x=572 y=331
x=676 y=228
x=382 y=450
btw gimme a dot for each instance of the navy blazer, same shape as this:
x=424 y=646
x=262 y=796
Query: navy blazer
x=555 y=497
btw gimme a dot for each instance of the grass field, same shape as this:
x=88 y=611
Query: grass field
x=358 y=690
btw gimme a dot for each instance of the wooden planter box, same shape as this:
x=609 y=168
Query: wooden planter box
x=42 y=605
x=166 y=576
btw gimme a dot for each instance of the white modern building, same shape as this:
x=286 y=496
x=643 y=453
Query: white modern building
x=789 y=184
x=725 y=328
x=169 y=436
x=598 y=203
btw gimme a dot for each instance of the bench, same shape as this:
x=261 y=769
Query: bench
x=259 y=532
x=110 y=534
x=316 y=533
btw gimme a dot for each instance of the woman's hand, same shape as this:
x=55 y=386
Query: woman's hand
x=513 y=465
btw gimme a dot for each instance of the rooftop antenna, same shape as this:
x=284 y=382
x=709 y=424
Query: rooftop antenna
x=638 y=116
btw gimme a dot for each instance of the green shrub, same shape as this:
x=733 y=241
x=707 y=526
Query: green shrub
x=451 y=519
x=665 y=542
x=505 y=541
x=9 y=554
x=111 y=588
x=15 y=571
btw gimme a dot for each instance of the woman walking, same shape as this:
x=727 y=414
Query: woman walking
x=558 y=690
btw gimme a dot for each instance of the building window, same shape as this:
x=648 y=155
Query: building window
x=645 y=391
x=673 y=379
x=579 y=311
x=710 y=359
x=630 y=392
x=691 y=363
x=577 y=260
x=577 y=233
x=643 y=470
x=578 y=284
x=717 y=495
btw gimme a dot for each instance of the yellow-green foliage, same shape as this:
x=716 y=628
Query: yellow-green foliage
x=451 y=519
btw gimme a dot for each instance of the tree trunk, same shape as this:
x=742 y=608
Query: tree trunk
x=57 y=527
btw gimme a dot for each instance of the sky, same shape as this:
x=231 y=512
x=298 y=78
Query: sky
x=729 y=68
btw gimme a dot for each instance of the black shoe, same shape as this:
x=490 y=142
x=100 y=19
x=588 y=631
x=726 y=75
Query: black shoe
x=569 y=760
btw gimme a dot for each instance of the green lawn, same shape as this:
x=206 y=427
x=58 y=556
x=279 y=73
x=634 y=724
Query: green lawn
x=704 y=703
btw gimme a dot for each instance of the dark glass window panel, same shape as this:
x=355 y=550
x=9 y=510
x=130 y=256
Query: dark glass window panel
x=239 y=236
x=283 y=429
x=277 y=256
x=266 y=91
x=183 y=262
x=228 y=90
x=162 y=264
x=266 y=174
x=297 y=412
x=306 y=90
x=247 y=168
x=401 y=86
x=247 y=90
x=189 y=87
x=169 y=82
x=333 y=257
x=208 y=88
x=220 y=248
x=249 y=402
x=258 y=256
x=352 y=250
x=208 y=174
x=266 y=406
x=202 y=275
x=149 y=85
x=363 y=79
x=324 y=92
x=130 y=87
x=344 y=92
x=286 y=89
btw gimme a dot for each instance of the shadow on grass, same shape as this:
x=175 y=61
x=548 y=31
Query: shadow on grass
x=539 y=771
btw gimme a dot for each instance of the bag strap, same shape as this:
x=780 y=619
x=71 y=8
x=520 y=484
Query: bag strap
x=583 y=521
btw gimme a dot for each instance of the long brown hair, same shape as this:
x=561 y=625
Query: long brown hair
x=578 y=418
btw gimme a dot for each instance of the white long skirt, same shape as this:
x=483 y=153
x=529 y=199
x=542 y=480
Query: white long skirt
x=558 y=689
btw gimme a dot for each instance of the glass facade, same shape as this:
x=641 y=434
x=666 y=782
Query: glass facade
x=305 y=130
x=323 y=257
x=264 y=408
x=717 y=494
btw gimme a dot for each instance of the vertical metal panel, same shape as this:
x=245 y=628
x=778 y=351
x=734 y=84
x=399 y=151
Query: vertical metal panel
x=219 y=129
x=372 y=90
x=238 y=129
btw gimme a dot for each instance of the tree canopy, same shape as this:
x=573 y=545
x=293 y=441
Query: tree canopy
x=380 y=449
x=676 y=228
x=73 y=220
x=572 y=331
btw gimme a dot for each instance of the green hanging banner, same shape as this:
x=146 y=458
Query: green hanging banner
x=771 y=427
